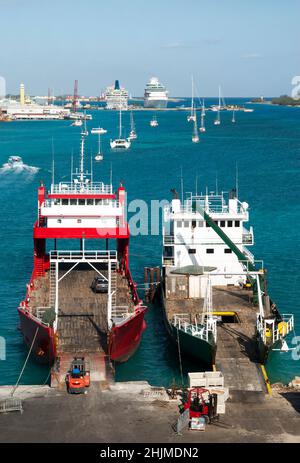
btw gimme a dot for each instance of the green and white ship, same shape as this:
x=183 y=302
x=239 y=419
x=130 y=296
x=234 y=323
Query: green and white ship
x=213 y=288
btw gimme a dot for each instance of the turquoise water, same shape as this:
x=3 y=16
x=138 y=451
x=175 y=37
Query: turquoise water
x=266 y=146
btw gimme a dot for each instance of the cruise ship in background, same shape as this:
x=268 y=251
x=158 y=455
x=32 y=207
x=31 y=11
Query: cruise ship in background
x=156 y=95
x=116 y=97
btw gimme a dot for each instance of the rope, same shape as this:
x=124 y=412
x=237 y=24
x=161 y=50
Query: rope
x=25 y=363
x=179 y=355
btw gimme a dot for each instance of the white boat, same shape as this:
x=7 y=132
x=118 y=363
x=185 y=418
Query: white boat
x=248 y=110
x=217 y=121
x=77 y=123
x=120 y=143
x=15 y=162
x=154 y=122
x=99 y=131
x=195 y=137
x=192 y=116
x=132 y=134
x=202 y=126
x=156 y=95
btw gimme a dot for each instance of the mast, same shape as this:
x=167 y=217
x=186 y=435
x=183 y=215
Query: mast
x=81 y=171
x=192 y=104
x=120 y=123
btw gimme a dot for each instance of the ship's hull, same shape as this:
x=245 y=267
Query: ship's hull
x=192 y=346
x=38 y=337
x=155 y=103
x=124 y=339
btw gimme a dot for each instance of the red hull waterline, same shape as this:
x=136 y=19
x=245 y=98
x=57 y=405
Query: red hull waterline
x=124 y=339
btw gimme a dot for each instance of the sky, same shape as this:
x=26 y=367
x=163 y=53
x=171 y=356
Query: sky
x=249 y=47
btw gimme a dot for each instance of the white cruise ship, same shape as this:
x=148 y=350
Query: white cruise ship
x=116 y=97
x=156 y=95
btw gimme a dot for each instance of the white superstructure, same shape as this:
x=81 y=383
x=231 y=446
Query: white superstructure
x=116 y=97
x=189 y=240
x=156 y=95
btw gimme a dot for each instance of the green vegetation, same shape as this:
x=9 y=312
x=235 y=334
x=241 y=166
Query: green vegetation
x=285 y=100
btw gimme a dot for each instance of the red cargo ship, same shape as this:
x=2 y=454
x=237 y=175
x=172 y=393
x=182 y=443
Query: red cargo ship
x=81 y=300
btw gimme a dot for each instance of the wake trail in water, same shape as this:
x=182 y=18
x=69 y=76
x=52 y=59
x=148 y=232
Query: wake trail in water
x=15 y=166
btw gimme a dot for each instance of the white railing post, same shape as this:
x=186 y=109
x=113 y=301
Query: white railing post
x=109 y=307
x=56 y=288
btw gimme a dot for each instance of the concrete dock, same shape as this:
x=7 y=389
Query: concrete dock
x=135 y=412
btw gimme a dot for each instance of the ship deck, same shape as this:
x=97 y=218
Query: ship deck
x=237 y=352
x=82 y=317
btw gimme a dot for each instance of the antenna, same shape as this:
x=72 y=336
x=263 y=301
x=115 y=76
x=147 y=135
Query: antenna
x=91 y=166
x=111 y=173
x=237 y=180
x=72 y=166
x=53 y=164
x=181 y=181
x=216 y=182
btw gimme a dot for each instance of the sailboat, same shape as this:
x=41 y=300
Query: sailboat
x=99 y=131
x=195 y=137
x=120 y=143
x=218 y=120
x=132 y=134
x=154 y=122
x=202 y=127
x=233 y=116
x=192 y=116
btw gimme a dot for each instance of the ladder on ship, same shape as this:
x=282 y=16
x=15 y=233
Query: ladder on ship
x=52 y=291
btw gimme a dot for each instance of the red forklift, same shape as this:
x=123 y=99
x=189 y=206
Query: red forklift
x=78 y=377
x=202 y=407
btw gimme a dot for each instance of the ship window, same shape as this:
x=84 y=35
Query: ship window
x=81 y=202
x=207 y=224
x=89 y=202
x=57 y=202
x=227 y=251
x=229 y=223
x=179 y=224
x=65 y=202
x=236 y=223
x=73 y=202
x=98 y=202
x=186 y=224
x=210 y=251
x=192 y=251
x=194 y=223
x=168 y=251
x=222 y=223
x=78 y=220
x=200 y=223
x=58 y=220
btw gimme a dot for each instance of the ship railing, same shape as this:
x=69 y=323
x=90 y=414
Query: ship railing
x=40 y=311
x=168 y=239
x=77 y=188
x=269 y=331
x=119 y=313
x=168 y=261
x=34 y=317
x=83 y=255
x=249 y=255
x=181 y=321
x=248 y=236
x=285 y=328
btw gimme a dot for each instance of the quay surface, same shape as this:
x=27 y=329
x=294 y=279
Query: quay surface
x=135 y=412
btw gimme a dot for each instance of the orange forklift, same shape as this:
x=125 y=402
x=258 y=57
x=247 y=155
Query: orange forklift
x=78 y=377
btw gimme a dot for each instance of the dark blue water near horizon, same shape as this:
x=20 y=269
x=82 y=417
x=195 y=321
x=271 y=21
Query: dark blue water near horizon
x=264 y=144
